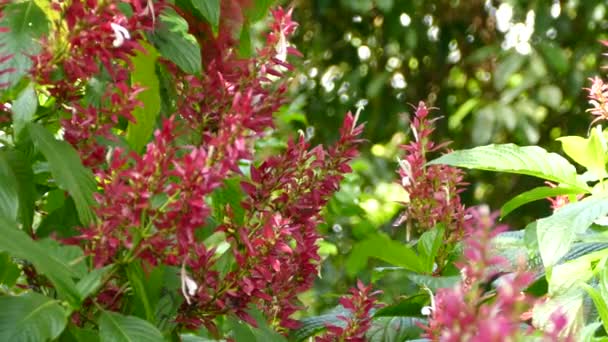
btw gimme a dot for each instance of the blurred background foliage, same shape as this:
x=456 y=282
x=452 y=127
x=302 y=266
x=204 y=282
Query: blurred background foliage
x=498 y=71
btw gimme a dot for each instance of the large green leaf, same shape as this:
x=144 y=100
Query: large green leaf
x=72 y=256
x=30 y=317
x=428 y=246
x=26 y=23
x=114 y=327
x=541 y=192
x=67 y=170
x=24 y=107
x=394 y=329
x=380 y=246
x=9 y=271
x=143 y=299
x=527 y=160
x=91 y=282
x=173 y=42
x=144 y=75
x=19 y=245
x=556 y=233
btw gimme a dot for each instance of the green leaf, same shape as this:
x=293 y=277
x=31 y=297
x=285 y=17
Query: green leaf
x=210 y=10
x=258 y=10
x=173 y=42
x=9 y=271
x=380 y=246
x=30 y=317
x=72 y=256
x=245 y=46
x=91 y=282
x=541 y=192
x=24 y=107
x=590 y=153
x=144 y=75
x=62 y=221
x=26 y=23
x=26 y=190
x=407 y=307
x=600 y=303
x=114 y=327
x=557 y=232
x=570 y=304
x=137 y=280
x=67 y=170
x=432 y=282
x=231 y=195
x=554 y=56
x=9 y=197
x=428 y=246
x=528 y=160
x=506 y=68
x=242 y=331
x=394 y=329
x=19 y=245
x=310 y=326
x=74 y=333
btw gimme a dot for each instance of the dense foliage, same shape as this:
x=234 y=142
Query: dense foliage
x=152 y=187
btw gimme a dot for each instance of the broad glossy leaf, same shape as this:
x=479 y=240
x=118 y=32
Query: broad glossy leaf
x=26 y=23
x=557 y=232
x=69 y=255
x=114 y=327
x=19 y=245
x=144 y=75
x=380 y=246
x=30 y=317
x=408 y=307
x=23 y=108
x=527 y=160
x=541 y=192
x=310 y=326
x=67 y=170
x=173 y=42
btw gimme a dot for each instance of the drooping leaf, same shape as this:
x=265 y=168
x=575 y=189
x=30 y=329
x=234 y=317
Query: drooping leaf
x=67 y=170
x=19 y=245
x=173 y=42
x=30 y=317
x=310 y=326
x=557 y=232
x=380 y=246
x=62 y=221
x=541 y=192
x=527 y=160
x=23 y=108
x=114 y=327
x=72 y=256
x=26 y=23
x=144 y=75
x=242 y=331
x=137 y=280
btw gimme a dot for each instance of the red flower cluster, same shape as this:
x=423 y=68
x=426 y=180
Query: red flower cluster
x=360 y=303
x=433 y=190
